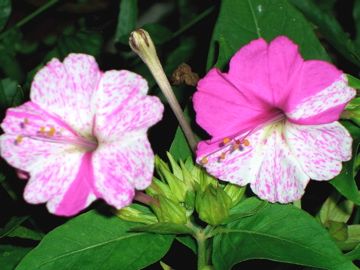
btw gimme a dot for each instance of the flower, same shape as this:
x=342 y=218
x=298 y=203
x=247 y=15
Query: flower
x=272 y=119
x=82 y=136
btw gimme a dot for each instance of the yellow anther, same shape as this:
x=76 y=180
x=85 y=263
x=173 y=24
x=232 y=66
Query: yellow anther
x=222 y=156
x=26 y=121
x=51 y=132
x=204 y=161
x=246 y=142
x=18 y=139
x=42 y=130
x=226 y=140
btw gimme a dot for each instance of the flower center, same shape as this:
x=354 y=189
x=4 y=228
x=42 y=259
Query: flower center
x=50 y=134
x=240 y=140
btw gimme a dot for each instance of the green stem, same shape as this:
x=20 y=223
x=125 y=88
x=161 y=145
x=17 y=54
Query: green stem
x=202 y=252
x=30 y=16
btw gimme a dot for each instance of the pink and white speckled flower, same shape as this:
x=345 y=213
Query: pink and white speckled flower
x=82 y=136
x=273 y=120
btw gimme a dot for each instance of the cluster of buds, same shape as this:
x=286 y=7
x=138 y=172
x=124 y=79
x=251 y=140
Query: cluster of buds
x=183 y=188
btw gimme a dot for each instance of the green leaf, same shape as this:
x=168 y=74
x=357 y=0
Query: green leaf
x=281 y=233
x=345 y=182
x=354 y=254
x=26 y=233
x=14 y=223
x=245 y=208
x=128 y=13
x=163 y=228
x=330 y=29
x=5 y=11
x=94 y=242
x=10 y=256
x=353 y=81
x=188 y=241
x=11 y=94
x=353 y=238
x=77 y=42
x=159 y=33
x=334 y=210
x=241 y=21
x=180 y=148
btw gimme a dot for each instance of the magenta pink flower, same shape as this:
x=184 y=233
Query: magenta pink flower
x=272 y=119
x=82 y=136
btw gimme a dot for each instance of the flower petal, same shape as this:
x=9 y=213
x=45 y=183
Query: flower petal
x=119 y=167
x=66 y=88
x=279 y=177
x=223 y=110
x=122 y=106
x=20 y=146
x=62 y=181
x=328 y=101
x=319 y=149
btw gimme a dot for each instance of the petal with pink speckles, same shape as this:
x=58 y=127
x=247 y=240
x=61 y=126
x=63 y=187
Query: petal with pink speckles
x=121 y=105
x=20 y=144
x=320 y=149
x=239 y=166
x=66 y=89
x=121 y=167
x=279 y=178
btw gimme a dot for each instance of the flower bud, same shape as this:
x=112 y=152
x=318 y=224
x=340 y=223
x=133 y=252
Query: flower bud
x=169 y=211
x=134 y=214
x=213 y=205
x=352 y=111
x=235 y=192
x=158 y=187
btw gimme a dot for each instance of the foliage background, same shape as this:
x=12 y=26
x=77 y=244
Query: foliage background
x=183 y=32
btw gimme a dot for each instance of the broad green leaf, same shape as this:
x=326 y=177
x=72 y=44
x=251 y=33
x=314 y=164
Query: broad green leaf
x=345 y=182
x=330 y=29
x=245 y=208
x=95 y=242
x=126 y=23
x=281 y=233
x=10 y=256
x=5 y=11
x=11 y=94
x=163 y=228
x=241 y=21
x=188 y=241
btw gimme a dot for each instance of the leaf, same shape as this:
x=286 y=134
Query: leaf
x=345 y=182
x=188 y=241
x=353 y=238
x=159 y=34
x=163 y=228
x=26 y=233
x=353 y=81
x=180 y=148
x=94 y=242
x=354 y=254
x=5 y=11
x=128 y=13
x=14 y=223
x=333 y=210
x=281 y=233
x=11 y=94
x=245 y=208
x=241 y=21
x=330 y=29
x=11 y=255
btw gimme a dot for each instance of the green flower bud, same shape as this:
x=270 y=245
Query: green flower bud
x=169 y=211
x=158 y=187
x=213 y=205
x=235 y=192
x=134 y=213
x=352 y=111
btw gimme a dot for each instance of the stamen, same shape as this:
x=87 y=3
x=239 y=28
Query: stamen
x=246 y=142
x=204 y=161
x=18 y=140
x=226 y=140
x=42 y=130
x=51 y=132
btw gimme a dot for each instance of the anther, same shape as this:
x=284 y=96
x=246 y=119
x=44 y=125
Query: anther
x=18 y=140
x=42 y=130
x=204 y=161
x=222 y=156
x=226 y=140
x=51 y=132
x=246 y=142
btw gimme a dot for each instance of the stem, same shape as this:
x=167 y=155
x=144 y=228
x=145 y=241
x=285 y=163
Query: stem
x=145 y=199
x=201 y=244
x=142 y=44
x=30 y=16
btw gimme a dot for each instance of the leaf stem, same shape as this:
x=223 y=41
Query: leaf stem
x=30 y=17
